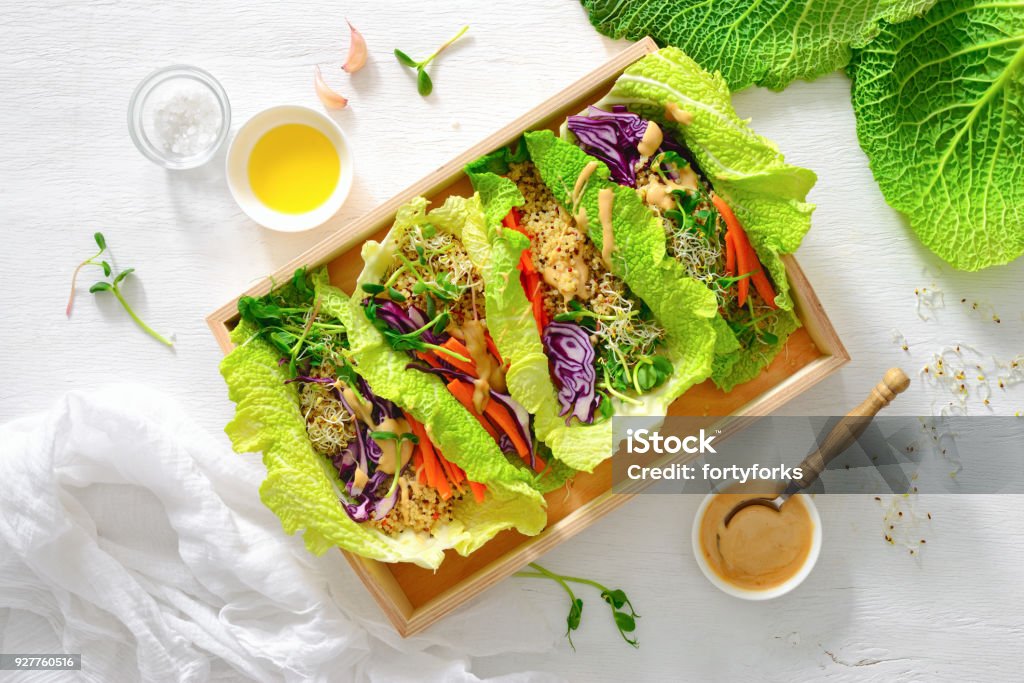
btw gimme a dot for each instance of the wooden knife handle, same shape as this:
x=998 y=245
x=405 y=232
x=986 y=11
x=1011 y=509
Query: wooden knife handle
x=852 y=426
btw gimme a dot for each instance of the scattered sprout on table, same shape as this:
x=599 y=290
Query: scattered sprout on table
x=423 y=83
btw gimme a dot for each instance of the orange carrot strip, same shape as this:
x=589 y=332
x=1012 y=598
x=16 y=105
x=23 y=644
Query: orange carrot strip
x=435 y=473
x=506 y=422
x=531 y=285
x=493 y=348
x=460 y=474
x=526 y=262
x=428 y=358
x=464 y=392
x=478 y=491
x=449 y=470
x=739 y=239
x=511 y=220
x=731 y=222
x=730 y=254
x=745 y=266
x=744 y=253
x=501 y=418
x=761 y=282
x=455 y=346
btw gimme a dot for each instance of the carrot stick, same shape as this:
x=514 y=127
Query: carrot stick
x=531 y=285
x=744 y=252
x=417 y=464
x=529 y=277
x=501 y=417
x=478 y=491
x=761 y=282
x=740 y=246
x=455 y=346
x=449 y=469
x=730 y=254
x=731 y=222
x=464 y=393
x=435 y=473
x=493 y=348
x=745 y=266
x=458 y=476
x=526 y=262
x=428 y=358
x=511 y=220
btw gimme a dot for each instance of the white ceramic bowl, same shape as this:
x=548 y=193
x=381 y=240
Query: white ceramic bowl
x=767 y=593
x=238 y=162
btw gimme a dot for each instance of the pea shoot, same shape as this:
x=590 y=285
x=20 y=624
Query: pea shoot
x=616 y=599
x=101 y=242
x=113 y=286
x=289 y=318
x=410 y=341
x=423 y=83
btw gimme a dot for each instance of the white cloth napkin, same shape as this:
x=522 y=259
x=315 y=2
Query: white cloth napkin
x=131 y=536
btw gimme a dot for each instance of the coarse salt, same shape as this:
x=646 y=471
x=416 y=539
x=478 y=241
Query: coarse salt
x=185 y=120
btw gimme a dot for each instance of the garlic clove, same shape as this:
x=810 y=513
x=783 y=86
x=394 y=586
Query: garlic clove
x=356 y=50
x=329 y=98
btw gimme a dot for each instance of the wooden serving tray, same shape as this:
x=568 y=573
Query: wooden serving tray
x=414 y=598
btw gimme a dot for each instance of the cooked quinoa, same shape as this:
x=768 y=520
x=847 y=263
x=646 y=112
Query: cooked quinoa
x=560 y=250
x=559 y=247
x=419 y=508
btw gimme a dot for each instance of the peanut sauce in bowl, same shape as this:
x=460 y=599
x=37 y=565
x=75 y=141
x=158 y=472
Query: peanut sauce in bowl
x=762 y=554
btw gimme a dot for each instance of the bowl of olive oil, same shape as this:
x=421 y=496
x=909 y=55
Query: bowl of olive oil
x=289 y=168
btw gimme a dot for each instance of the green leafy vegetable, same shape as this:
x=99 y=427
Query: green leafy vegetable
x=616 y=599
x=940 y=113
x=748 y=171
x=289 y=319
x=113 y=286
x=423 y=83
x=511 y=323
x=302 y=487
x=770 y=43
x=455 y=431
x=681 y=305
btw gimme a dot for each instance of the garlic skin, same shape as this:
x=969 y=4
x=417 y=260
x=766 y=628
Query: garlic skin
x=329 y=98
x=356 y=50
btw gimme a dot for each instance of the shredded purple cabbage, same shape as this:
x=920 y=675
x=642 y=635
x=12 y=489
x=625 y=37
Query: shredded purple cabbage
x=407 y=319
x=571 y=359
x=611 y=136
x=371 y=500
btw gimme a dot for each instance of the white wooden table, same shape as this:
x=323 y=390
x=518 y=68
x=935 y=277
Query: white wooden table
x=869 y=611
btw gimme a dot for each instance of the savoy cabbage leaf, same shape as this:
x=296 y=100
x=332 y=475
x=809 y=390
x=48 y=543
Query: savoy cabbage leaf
x=769 y=43
x=940 y=113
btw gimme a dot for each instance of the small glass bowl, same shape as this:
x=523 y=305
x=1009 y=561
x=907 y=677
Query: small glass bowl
x=159 y=85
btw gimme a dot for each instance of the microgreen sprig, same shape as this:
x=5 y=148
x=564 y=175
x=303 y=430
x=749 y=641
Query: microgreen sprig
x=616 y=599
x=289 y=318
x=423 y=83
x=411 y=341
x=101 y=242
x=114 y=288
